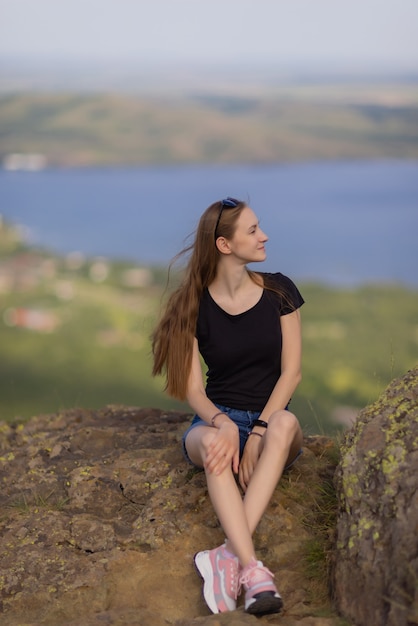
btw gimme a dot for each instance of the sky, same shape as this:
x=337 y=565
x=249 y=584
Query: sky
x=345 y=34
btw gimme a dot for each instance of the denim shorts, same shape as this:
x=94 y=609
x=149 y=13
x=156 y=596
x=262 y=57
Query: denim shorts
x=243 y=419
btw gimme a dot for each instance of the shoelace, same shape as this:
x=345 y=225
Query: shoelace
x=235 y=582
x=255 y=573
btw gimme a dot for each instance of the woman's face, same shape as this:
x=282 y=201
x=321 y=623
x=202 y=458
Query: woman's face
x=248 y=240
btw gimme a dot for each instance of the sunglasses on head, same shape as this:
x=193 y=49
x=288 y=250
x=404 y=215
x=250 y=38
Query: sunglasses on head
x=226 y=203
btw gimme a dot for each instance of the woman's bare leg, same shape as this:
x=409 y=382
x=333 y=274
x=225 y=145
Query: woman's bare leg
x=225 y=496
x=281 y=443
x=239 y=518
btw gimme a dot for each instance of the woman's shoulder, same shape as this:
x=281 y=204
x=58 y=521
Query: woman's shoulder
x=285 y=289
x=276 y=279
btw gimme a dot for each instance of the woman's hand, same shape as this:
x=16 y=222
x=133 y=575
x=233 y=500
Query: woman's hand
x=224 y=449
x=249 y=460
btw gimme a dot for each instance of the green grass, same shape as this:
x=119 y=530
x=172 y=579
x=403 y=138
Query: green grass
x=99 y=355
x=25 y=503
x=355 y=342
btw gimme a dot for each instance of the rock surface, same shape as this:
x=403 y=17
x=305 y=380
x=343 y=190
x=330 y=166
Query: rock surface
x=101 y=516
x=376 y=561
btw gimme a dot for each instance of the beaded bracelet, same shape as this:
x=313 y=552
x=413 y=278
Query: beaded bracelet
x=212 y=421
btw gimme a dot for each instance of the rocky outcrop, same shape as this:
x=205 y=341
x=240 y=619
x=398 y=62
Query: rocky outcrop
x=376 y=561
x=100 y=518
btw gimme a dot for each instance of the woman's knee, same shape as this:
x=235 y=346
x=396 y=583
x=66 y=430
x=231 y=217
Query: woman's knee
x=284 y=424
x=198 y=441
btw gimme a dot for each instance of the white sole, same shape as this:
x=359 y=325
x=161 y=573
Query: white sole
x=203 y=566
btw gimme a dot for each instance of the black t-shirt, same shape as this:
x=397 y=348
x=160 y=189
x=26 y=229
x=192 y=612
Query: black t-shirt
x=243 y=352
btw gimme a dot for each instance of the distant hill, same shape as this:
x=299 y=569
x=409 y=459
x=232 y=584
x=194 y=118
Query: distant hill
x=298 y=122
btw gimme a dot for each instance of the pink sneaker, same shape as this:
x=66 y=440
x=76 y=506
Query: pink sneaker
x=220 y=573
x=261 y=595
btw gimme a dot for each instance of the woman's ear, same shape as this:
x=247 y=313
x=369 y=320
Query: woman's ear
x=223 y=245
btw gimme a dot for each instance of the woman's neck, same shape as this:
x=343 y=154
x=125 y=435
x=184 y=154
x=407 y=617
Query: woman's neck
x=231 y=281
x=235 y=291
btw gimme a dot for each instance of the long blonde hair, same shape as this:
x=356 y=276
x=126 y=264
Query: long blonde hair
x=172 y=339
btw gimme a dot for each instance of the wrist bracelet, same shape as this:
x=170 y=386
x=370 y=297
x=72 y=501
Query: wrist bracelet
x=261 y=423
x=212 y=421
x=253 y=433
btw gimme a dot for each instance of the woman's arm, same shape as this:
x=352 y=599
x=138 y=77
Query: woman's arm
x=281 y=394
x=291 y=360
x=196 y=394
x=225 y=447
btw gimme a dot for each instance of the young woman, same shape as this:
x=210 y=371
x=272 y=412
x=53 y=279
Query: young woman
x=246 y=326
